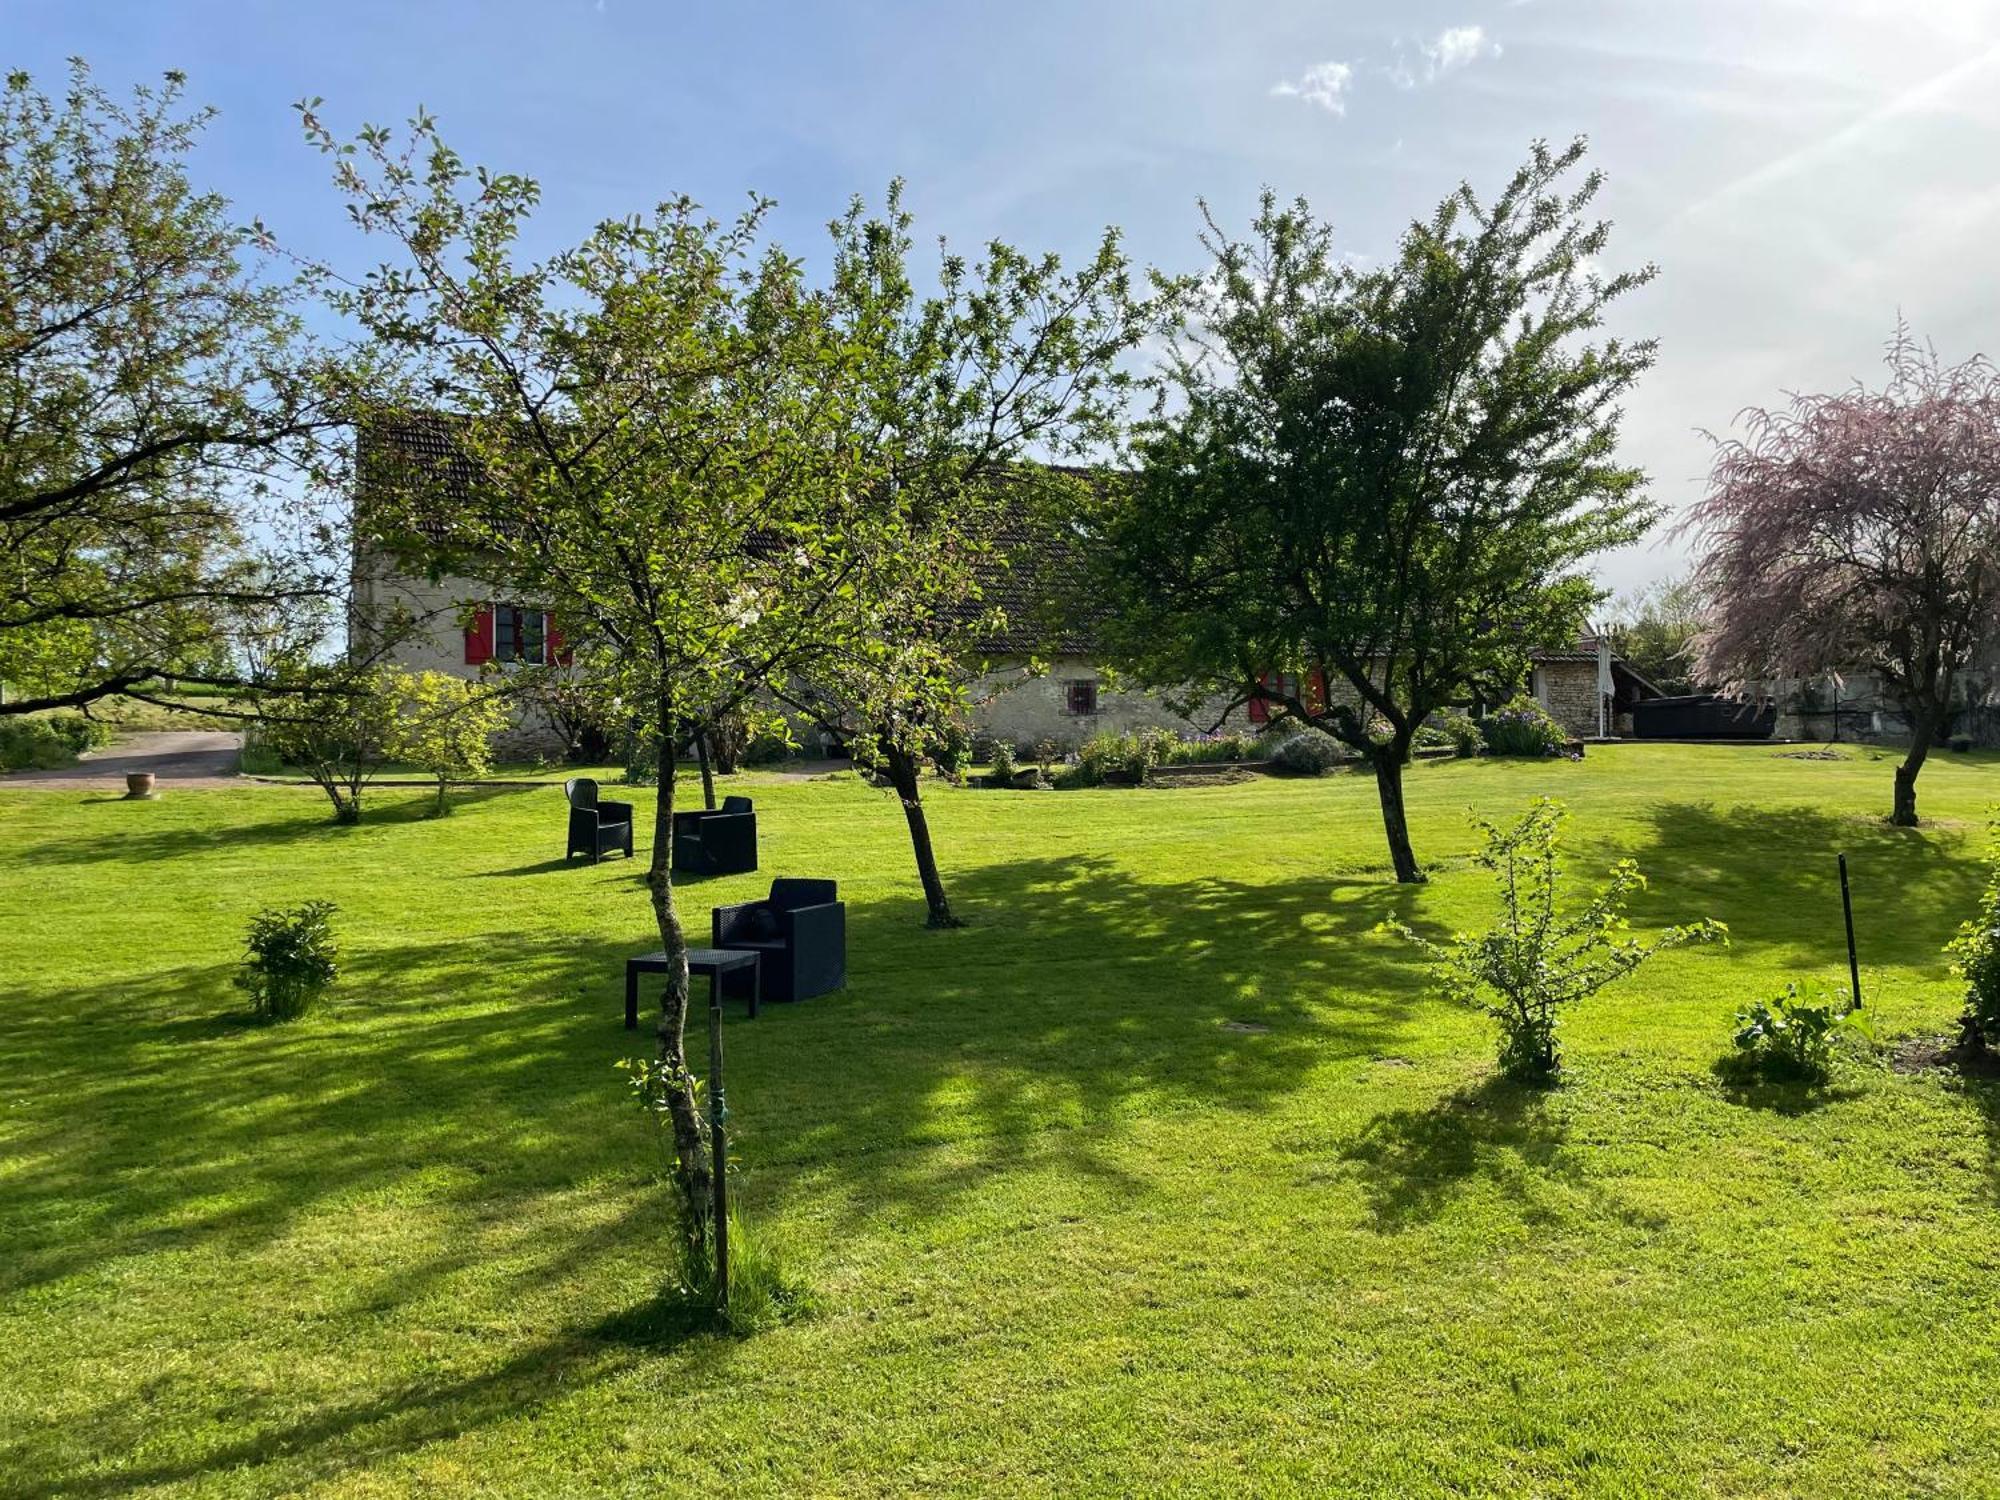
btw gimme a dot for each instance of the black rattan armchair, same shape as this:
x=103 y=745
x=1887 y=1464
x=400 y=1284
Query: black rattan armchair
x=799 y=933
x=595 y=826
x=723 y=842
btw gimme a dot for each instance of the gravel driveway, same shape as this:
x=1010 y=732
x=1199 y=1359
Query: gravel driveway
x=185 y=758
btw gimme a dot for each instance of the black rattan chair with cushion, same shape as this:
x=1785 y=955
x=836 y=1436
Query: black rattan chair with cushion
x=799 y=933
x=596 y=827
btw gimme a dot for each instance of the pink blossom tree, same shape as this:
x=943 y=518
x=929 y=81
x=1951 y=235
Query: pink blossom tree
x=1862 y=531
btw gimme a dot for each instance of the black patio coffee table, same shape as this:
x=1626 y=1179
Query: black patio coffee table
x=714 y=962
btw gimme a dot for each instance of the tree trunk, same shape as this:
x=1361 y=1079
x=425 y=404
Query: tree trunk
x=1923 y=729
x=707 y=771
x=1388 y=762
x=903 y=775
x=690 y=1130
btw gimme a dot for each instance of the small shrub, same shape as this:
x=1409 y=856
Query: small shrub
x=1462 y=730
x=1523 y=727
x=769 y=747
x=1308 y=752
x=1975 y=955
x=951 y=751
x=45 y=742
x=289 y=961
x=444 y=726
x=1219 y=749
x=1431 y=737
x=1540 y=959
x=1790 y=1036
x=1002 y=769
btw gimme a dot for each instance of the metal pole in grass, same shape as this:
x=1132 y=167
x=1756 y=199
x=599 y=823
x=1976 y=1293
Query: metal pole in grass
x=718 y=1115
x=1847 y=910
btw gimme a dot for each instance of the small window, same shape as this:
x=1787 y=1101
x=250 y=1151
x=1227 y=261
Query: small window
x=519 y=634
x=1082 y=695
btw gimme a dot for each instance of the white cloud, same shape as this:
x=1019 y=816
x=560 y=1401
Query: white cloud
x=1458 y=46
x=1451 y=49
x=1324 y=84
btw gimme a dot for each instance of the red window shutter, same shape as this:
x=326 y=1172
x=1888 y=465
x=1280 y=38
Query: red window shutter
x=558 y=653
x=1316 y=691
x=1259 y=710
x=479 y=639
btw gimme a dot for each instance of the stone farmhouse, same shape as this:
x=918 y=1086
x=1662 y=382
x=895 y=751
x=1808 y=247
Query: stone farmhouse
x=463 y=626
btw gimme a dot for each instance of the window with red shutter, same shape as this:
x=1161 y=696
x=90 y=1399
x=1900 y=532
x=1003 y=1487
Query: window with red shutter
x=479 y=639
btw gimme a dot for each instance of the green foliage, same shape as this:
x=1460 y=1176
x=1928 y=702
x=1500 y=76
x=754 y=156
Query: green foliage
x=290 y=960
x=1308 y=752
x=1657 y=630
x=1522 y=727
x=1975 y=955
x=443 y=725
x=1539 y=958
x=158 y=389
x=1395 y=474
x=333 y=721
x=1792 y=1036
x=1109 y=756
x=47 y=741
x=1462 y=732
x=950 y=749
x=1001 y=771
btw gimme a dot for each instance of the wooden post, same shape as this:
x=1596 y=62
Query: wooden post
x=718 y=1115
x=1847 y=910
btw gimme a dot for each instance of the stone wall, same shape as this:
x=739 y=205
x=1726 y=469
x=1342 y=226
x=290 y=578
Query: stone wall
x=435 y=642
x=1568 y=690
x=1008 y=704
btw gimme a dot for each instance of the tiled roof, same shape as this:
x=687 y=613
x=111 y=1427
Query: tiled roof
x=1038 y=582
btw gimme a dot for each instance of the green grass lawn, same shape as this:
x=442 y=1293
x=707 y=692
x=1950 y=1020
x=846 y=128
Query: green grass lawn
x=1066 y=1233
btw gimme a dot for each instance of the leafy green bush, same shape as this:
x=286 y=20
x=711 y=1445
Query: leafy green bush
x=1218 y=749
x=1790 y=1036
x=950 y=750
x=1308 y=752
x=290 y=960
x=1462 y=731
x=1540 y=959
x=1975 y=954
x=1430 y=737
x=1001 y=772
x=1523 y=727
x=45 y=742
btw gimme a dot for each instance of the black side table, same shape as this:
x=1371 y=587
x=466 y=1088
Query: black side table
x=714 y=962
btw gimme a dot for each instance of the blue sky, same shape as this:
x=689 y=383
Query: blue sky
x=1801 y=170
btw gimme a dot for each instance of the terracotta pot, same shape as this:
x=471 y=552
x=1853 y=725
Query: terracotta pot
x=138 y=783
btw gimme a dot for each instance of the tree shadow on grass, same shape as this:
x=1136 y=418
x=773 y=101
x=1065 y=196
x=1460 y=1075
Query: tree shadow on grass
x=343 y=1436
x=1773 y=875
x=470 y=1078
x=1413 y=1163
x=1080 y=1000
x=306 y=832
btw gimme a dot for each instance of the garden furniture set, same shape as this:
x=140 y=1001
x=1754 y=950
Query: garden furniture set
x=791 y=945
